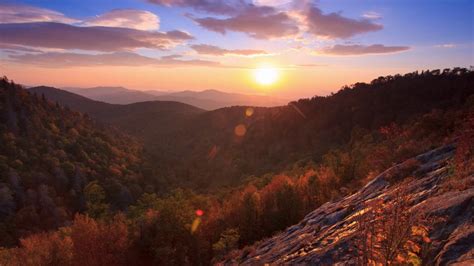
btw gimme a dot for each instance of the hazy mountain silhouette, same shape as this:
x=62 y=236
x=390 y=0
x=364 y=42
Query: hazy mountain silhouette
x=214 y=99
x=207 y=99
x=115 y=95
x=155 y=92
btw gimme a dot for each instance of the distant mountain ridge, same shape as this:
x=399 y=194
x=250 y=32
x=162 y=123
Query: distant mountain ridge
x=114 y=95
x=206 y=99
x=149 y=119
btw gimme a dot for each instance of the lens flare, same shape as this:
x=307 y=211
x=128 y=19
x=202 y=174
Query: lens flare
x=195 y=224
x=213 y=152
x=240 y=130
x=249 y=111
x=199 y=212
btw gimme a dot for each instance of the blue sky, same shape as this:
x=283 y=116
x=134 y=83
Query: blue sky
x=303 y=39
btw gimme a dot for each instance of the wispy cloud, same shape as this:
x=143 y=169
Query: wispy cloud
x=309 y=65
x=372 y=15
x=207 y=49
x=126 y=18
x=272 y=2
x=16 y=13
x=446 y=45
x=17 y=48
x=347 y=50
x=64 y=36
x=209 y=6
x=55 y=59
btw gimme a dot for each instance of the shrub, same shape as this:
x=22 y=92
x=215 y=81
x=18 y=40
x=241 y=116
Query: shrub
x=391 y=232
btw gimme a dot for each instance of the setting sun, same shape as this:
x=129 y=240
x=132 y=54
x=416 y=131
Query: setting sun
x=266 y=75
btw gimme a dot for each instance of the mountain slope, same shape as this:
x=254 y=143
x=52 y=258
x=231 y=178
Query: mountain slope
x=426 y=205
x=148 y=120
x=49 y=155
x=71 y=100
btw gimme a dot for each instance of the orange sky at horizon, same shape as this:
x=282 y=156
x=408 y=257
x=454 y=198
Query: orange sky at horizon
x=292 y=83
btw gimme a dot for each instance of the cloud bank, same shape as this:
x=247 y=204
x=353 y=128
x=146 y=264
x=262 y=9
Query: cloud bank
x=266 y=21
x=64 y=36
x=335 y=26
x=257 y=22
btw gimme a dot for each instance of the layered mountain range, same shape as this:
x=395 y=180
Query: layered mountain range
x=207 y=99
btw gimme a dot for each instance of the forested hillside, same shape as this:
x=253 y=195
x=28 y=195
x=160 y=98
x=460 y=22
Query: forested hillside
x=55 y=162
x=273 y=139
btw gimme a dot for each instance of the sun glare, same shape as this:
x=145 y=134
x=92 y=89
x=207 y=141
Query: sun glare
x=266 y=75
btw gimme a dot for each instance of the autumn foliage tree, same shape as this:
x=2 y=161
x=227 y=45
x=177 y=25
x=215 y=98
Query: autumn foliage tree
x=40 y=249
x=85 y=242
x=391 y=232
x=99 y=242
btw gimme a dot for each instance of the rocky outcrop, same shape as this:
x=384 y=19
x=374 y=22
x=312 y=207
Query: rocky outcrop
x=327 y=236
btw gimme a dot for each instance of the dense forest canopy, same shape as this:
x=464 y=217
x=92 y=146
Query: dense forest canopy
x=49 y=155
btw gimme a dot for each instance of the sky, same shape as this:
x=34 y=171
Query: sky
x=310 y=47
